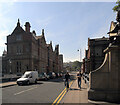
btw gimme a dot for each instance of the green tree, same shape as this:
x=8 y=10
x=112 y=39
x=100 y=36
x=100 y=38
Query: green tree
x=116 y=8
x=76 y=65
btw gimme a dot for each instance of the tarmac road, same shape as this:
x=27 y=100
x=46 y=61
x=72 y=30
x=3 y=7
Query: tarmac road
x=42 y=92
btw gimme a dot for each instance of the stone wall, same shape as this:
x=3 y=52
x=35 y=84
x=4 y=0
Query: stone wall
x=105 y=81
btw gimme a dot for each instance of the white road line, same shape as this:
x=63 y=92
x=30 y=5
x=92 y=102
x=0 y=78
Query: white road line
x=25 y=91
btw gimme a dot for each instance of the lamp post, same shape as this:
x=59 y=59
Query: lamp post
x=79 y=50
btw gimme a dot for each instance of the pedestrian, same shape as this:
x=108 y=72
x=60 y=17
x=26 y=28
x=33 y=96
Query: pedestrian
x=79 y=75
x=67 y=77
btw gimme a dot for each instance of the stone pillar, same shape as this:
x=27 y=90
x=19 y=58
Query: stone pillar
x=105 y=81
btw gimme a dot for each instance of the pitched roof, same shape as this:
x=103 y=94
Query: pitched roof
x=17 y=30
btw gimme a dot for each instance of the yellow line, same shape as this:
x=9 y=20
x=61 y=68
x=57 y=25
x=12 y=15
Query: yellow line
x=61 y=98
x=63 y=94
x=58 y=97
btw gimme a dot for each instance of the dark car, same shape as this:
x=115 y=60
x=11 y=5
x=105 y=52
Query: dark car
x=51 y=75
x=57 y=75
x=43 y=76
x=61 y=74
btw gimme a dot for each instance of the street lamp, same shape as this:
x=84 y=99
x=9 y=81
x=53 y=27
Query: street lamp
x=79 y=50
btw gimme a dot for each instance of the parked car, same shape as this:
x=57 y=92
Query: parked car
x=19 y=74
x=57 y=75
x=61 y=74
x=51 y=75
x=43 y=76
x=28 y=77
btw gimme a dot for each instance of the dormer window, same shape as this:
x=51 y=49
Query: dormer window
x=18 y=37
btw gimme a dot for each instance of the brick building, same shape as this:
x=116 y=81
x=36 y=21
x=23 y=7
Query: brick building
x=28 y=51
x=94 y=56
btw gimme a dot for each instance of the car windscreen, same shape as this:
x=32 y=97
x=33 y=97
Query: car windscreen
x=26 y=76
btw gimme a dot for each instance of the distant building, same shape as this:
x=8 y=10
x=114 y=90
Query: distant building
x=27 y=51
x=61 y=62
x=95 y=53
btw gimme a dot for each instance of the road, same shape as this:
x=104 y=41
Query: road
x=42 y=92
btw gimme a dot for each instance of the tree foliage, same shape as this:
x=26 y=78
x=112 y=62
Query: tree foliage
x=72 y=66
x=117 y=7
x=76 y=65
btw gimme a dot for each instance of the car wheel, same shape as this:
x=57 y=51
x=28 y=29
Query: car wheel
x=46 y=79
x=28 y=82
x=36 y=81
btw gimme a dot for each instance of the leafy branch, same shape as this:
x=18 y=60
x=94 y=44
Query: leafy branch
x=117 y=7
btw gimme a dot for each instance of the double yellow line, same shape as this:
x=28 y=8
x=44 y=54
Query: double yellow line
x=59 y=98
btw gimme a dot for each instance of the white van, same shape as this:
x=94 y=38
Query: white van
x=28 y=77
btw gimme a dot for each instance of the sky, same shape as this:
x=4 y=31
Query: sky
x=68 y=24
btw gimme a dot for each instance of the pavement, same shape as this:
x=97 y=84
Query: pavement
x=76 y=95
x=80 y=96
x=7 y=84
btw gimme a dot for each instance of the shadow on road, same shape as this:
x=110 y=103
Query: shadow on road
x=74 y=89
x=62 y=79
x=39 y=83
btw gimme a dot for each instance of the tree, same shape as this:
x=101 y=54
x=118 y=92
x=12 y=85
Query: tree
x=76 y=65
x=117 y=7
x=73 y=66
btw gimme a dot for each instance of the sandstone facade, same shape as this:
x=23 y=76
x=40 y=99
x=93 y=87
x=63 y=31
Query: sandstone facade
x=28 y=51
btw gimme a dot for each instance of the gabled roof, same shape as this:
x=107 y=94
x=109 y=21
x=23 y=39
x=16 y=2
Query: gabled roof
x=50 y=45
x=17 y=30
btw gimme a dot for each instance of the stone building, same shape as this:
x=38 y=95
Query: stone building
x=28 y=51
x=95 y=55
x=61 y=62
x=50 y=57
x=56 y=59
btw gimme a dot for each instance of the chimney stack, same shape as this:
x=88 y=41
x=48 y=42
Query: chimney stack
x=27 y=27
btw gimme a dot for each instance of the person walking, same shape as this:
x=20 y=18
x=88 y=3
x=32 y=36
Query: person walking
x=79 y=75
x=67 y=77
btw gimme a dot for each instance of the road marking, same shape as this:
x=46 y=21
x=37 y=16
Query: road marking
x=25 y=91
x=59 y=98
x=63 y=94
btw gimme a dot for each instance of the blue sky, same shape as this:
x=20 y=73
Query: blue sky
x=68 y=24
